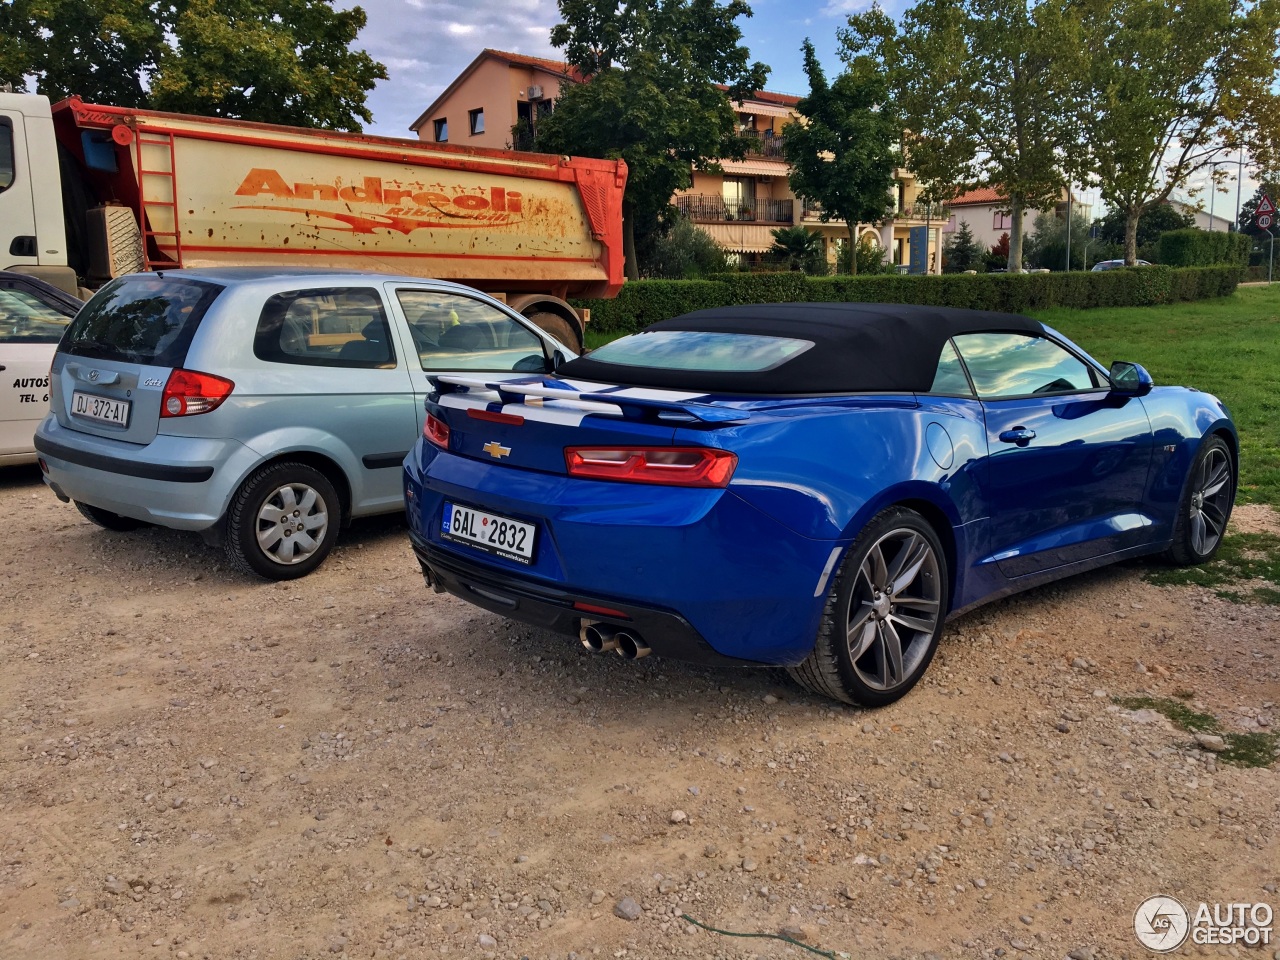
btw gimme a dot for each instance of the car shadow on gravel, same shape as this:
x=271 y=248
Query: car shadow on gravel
x=24 y=475
x=644 y=684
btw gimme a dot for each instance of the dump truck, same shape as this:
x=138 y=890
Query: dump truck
x=90 y=192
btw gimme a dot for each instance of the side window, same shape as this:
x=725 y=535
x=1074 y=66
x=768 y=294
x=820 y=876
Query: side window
x=950 y=378
x=330 y=327
x=453 y=332
x=1018 y=365
x=6 y=154
x=24 y=319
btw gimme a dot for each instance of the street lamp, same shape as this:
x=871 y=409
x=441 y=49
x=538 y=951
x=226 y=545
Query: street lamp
x=1213 y=192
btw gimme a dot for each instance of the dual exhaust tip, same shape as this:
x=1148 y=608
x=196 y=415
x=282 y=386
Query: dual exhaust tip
x=599 y=637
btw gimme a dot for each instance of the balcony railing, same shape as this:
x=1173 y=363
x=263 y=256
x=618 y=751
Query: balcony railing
x=924 y=211
x=764 y=145
x=811 y=209
x=712 y=209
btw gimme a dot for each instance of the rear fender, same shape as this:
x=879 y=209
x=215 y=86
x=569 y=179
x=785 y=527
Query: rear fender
x=317 y=446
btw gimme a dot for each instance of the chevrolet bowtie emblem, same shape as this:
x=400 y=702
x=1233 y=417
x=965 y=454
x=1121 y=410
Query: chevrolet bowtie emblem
x=496 y=450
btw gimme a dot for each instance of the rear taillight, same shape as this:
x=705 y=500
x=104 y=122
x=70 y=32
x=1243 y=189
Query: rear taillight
x=672 y=466
x=437 y=431
x=188 y=393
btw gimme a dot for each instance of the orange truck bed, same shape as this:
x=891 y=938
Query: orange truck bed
x=214 y=192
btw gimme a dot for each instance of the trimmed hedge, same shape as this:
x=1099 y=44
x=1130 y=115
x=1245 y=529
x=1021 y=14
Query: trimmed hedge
x=1202 y=248
x=643 y=302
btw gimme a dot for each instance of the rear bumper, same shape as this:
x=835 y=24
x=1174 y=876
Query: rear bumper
x=708 y=566
x=667 y=634
x=184 y=483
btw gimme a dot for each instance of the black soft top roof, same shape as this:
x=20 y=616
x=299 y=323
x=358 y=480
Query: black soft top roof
x=856 y=347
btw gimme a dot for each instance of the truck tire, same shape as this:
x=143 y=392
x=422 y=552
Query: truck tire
x=283 y=521
x=108 y=520
x=560 y=328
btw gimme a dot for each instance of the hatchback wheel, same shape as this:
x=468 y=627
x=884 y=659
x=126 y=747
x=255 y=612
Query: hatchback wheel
x=108 y=520
x=282 y=522
x=884 y=614
x=1206 y=505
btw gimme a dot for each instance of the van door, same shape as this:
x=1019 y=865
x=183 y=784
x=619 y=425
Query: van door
x=18 y=245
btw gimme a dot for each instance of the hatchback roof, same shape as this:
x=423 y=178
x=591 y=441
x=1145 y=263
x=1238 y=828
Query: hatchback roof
x=235 y=275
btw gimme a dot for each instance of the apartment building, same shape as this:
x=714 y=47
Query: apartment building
x=499 y=98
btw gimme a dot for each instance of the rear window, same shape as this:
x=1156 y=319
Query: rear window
x=141 y=319
x=701 y=350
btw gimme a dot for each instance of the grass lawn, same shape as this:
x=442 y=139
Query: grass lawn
x=1228 y=347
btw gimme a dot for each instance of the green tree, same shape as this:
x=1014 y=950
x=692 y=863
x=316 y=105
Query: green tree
x=684 y=252
x=1173 y=87
x=960 y=252
x=842 y=151
x=798 y=248
x=984 y=88
x=660 y=75
x=278 y=61
x=1047 y=246
x=1155 y=220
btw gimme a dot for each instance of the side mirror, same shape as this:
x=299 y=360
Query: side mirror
x=1130 y=379
x=557 y=359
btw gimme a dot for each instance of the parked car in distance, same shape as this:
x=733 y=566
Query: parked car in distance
x=33 y=315
x=816 y=486
x=263 y=407
x=1115 y=265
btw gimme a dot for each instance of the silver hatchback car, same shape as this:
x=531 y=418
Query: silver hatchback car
x=264 y=408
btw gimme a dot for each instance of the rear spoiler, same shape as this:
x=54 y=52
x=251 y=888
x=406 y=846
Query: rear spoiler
x=537 y=391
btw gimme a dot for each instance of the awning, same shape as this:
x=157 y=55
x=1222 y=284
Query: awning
x=764 y=109
x=755 y=168
x=742 y=237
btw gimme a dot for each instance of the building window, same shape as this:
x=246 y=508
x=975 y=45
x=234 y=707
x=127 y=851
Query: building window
x=477 y=121
x=442 y=130
x=1001 y=220
x=739 y=195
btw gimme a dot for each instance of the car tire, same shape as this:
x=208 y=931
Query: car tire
x=558 y=327
x=1205 y=505
x=108 y=520
x=283 y=521
x=860 y=656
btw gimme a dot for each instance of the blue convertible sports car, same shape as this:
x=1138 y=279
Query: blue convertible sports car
x=817 y=486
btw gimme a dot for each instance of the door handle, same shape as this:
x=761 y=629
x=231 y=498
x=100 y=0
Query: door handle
x=1019 y=435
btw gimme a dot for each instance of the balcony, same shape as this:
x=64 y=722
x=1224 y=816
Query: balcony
x=767 y=145
x=712 y=209
x=924 y=211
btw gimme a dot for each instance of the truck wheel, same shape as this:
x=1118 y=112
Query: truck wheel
x=560 y=328
x=108 y=520
x=282 y=522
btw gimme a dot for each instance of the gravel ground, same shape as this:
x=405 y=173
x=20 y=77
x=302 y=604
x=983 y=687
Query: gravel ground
x=196 y=764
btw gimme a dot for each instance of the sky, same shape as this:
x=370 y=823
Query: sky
x=425 y=44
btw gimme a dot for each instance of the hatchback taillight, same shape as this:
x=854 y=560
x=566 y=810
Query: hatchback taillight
x=437 y=431
x=188 y=393
x=672 y=466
